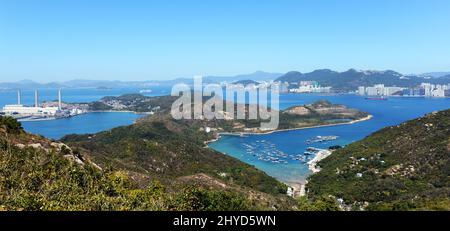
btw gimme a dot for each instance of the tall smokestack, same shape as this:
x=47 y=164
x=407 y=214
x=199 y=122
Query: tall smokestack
x=59 y=100
x=19 y=100
x=36 y=98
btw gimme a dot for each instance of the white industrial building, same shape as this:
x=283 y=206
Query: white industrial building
x=36 y=110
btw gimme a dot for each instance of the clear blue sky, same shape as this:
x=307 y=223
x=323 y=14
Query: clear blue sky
x=139 y=40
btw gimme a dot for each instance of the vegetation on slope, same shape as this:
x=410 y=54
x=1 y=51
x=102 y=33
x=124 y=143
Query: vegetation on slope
x=162 y=147
x=404 y=167
x=318 y=113
x=37 y=174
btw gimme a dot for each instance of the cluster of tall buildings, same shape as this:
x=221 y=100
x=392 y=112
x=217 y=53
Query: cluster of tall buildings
x=434 y=90
x=310 y=87
x=425 y=89
x=379 y=90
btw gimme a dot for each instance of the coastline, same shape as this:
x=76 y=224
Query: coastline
x=84 y=113
x=48 y=118
x=299 y=188
x=112 y=111
x=312 y=164
x=293 y=129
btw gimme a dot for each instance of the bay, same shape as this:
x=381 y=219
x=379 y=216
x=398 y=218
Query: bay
x=385 y=113
x=83 y=124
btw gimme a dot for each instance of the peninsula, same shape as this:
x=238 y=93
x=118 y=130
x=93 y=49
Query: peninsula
x=320 y=113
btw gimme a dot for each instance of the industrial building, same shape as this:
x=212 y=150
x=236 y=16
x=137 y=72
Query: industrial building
x=22 y=110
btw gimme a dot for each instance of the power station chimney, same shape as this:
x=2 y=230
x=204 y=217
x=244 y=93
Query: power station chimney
x=36 y=98
x=19 y=100
x=59 y=100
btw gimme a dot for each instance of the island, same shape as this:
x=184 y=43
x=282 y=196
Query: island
x=320 y=113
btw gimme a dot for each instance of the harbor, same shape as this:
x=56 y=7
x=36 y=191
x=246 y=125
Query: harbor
x=295 y=142
x=266 y=151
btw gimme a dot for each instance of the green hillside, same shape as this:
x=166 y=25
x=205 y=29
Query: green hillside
x=38 y=174
x=167 y=149
x=405 y=167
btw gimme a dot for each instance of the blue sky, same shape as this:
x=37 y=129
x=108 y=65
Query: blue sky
x=140 y=40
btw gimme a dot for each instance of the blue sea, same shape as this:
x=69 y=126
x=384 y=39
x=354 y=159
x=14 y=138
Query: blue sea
x=82 y=124
x=390 y=112
x=386 y=113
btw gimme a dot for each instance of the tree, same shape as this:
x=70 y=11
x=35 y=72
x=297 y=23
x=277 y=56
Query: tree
x=10 y=124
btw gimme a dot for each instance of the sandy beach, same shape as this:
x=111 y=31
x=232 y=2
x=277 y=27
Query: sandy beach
x=293 y=129
x=312 y=164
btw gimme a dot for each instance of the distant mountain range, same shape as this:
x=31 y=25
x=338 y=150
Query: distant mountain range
x=30 y=84
x=339 y=81
x=435 y=74
x=351 y=79
x=256 y=76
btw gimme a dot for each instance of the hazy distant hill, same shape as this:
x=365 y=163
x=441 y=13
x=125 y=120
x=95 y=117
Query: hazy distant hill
x=351 y=79
x=397 y=168
x=339 y=81
x=256 y=76
x=246 y=82
x=435 y=74
x=86 y=83
x=29 y=84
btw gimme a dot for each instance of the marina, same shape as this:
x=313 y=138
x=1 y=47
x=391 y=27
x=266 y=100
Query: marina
x=267 y=151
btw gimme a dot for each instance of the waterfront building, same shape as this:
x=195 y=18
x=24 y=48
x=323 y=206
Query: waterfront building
x=36 y=110
x=282 y=86
x=434 y=90
x=424 y=89
x=361 y=90
x=379 y=90
x=392 y=90
x=24 y=110
x=310 y=87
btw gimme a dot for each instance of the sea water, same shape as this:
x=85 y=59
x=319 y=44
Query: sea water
x=385 y=113
x=82 y=124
